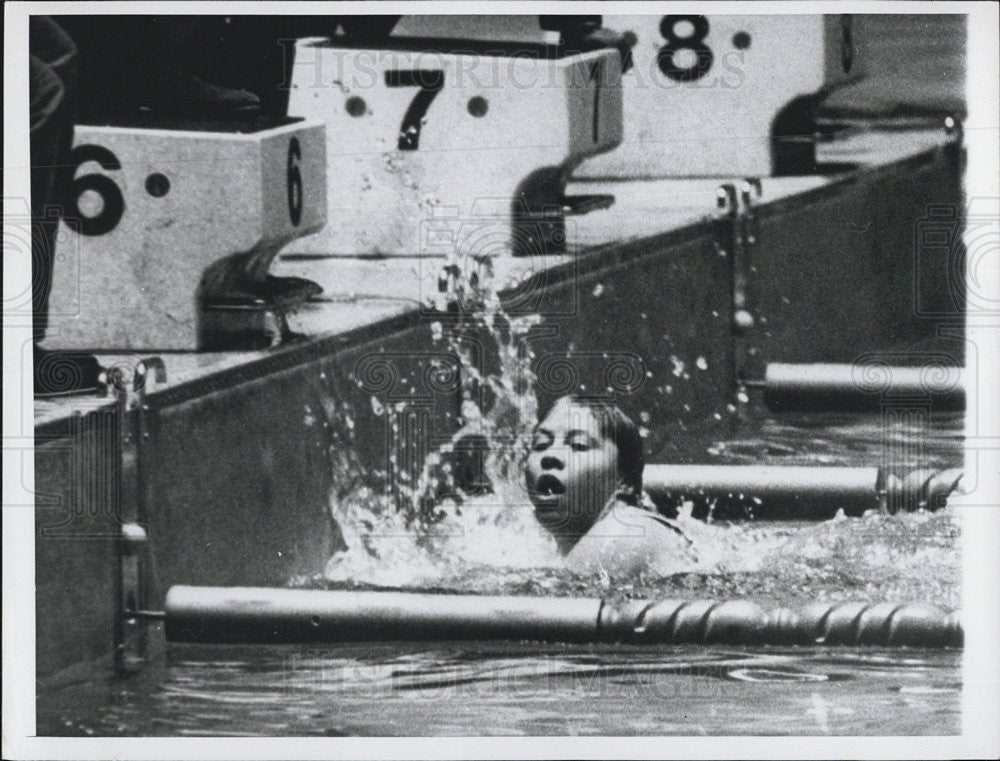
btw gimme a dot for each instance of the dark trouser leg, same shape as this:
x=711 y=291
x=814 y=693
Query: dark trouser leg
x=52 y=86
x=52 y=83
x=47 y=106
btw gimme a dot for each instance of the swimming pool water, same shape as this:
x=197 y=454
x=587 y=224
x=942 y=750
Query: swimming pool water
x=490 y=688
x=470 y=688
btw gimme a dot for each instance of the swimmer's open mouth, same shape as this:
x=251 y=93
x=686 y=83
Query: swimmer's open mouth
x=548 y=487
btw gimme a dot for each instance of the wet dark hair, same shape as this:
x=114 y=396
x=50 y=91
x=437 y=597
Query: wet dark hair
x=619 y=428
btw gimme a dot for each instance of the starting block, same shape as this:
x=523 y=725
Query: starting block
x=721 y=95
x=170 y=228
x=420 y=124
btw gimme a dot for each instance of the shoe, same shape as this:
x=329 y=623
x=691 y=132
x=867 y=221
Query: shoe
x=585 y=33
x=64 y=373
x=623 y=42
x=368 y=28
x=176 y=92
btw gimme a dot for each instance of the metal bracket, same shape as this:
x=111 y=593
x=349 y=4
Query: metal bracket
x=132 y=553
x=736 y=237
x=745 y=317
x=955 y=147
x=743 y=267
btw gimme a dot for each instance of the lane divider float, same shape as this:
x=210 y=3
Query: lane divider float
x=790 y=492
x=217 y=615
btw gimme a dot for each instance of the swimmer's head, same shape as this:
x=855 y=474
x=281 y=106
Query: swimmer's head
x=582 y=454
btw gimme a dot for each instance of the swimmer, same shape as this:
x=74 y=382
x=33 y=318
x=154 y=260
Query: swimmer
x=584 y=477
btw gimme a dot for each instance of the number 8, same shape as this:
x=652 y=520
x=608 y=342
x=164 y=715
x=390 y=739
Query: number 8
x=694 y=42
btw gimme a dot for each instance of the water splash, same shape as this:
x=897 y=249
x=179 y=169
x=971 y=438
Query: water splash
x=444 y=530
x=445 y=521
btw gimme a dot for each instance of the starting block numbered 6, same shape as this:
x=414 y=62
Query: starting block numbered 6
x=712 y=95
x=418 y=124
x=169 y=233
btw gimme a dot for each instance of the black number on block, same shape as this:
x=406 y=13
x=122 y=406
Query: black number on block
x=695 y=42
x=294 y=181
x=113 y=204
x=430 y=84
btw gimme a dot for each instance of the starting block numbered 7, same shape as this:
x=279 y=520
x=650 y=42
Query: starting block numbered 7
x=420 y=124
x=728 y=95
x=169 y=233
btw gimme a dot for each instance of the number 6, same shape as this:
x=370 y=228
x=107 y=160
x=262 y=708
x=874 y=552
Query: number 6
x=111 y=195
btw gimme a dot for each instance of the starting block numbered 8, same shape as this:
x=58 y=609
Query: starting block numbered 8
x=418 y=124
x=712 y=95
x=169 y=233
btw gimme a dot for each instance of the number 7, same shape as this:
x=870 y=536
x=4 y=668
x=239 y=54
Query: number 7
x=430 y=84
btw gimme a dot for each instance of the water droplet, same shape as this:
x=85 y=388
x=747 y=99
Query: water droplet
x=701 y=363
x=598 y=290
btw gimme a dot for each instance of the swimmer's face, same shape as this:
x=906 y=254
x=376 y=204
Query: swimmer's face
x=572 y=470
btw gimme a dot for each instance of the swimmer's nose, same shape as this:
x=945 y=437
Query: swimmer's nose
x=551 y=463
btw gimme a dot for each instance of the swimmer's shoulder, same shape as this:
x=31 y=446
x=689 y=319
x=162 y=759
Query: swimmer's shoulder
x=628 y=540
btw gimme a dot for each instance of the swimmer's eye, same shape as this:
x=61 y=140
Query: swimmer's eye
x=541 y=440
x=580 y=442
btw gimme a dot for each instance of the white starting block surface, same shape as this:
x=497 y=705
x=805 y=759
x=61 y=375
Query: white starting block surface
x=412 y=129
x=704 y=93
x=170 y=225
